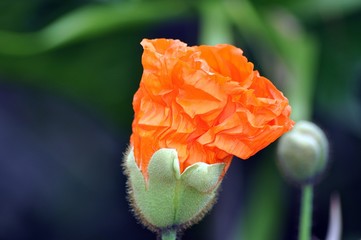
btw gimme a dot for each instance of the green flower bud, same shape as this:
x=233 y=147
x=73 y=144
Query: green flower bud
x=166 y=198
x=303 y=153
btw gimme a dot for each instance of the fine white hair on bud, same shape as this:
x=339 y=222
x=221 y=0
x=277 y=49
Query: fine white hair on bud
x=303 y=153
x=166 y=198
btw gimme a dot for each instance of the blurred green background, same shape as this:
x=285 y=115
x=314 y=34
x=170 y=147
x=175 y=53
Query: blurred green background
x=69 y=69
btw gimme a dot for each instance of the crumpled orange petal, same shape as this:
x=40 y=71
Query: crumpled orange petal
x=207 y=102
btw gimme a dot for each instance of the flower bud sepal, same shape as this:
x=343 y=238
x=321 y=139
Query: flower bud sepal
x=165 y=198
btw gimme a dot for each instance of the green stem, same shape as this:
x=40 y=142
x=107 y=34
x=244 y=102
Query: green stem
x=169 y=234
x=306 y=213
x=215 y=24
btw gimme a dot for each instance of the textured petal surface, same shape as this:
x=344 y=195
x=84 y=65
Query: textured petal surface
x=207 y=102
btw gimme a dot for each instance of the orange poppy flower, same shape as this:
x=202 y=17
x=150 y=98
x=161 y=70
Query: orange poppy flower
x=206 y=102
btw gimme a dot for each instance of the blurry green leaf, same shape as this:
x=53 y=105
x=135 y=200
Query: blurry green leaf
x=338 y=86
x=321 y=9
x=86 y=22
x=15 y=14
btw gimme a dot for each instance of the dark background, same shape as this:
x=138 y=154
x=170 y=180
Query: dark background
x=65 y=113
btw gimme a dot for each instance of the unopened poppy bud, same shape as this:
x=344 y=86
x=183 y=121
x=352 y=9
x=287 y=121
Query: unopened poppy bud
x=166 y=198
x=303 y=153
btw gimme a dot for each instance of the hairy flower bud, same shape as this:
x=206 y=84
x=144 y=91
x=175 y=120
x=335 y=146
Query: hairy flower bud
x=167 y=198
x=303 y=153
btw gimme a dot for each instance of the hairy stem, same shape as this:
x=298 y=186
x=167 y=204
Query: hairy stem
x=168 y=234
